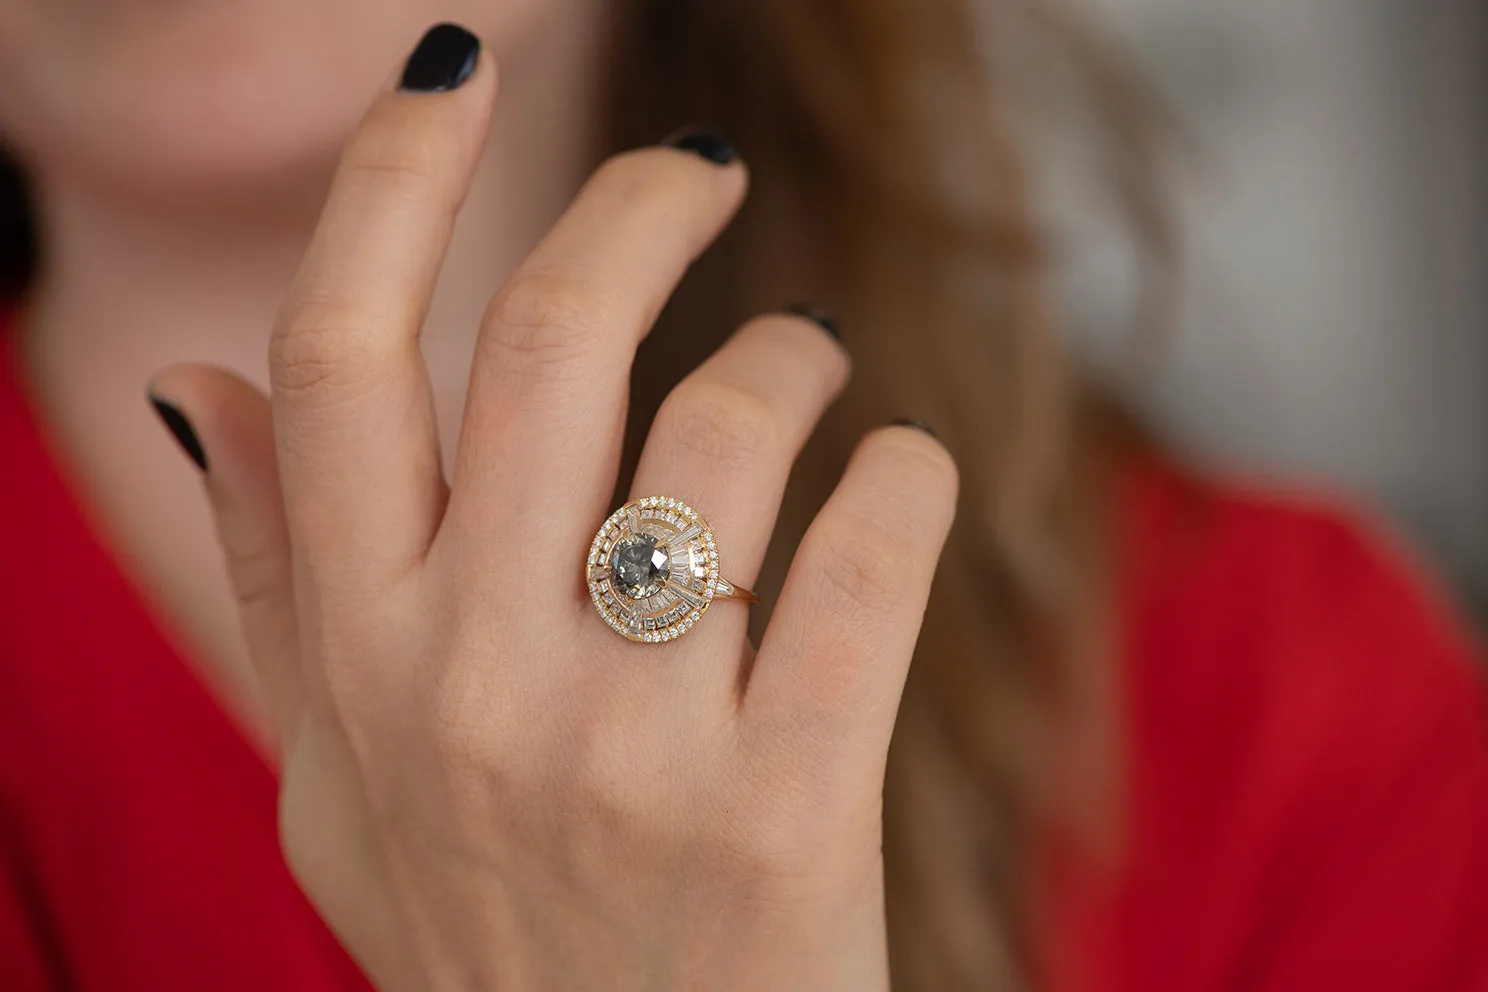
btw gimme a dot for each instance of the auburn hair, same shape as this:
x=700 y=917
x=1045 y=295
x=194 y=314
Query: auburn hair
x=894 y=185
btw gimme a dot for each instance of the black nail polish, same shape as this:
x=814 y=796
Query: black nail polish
x=819 y=317
x=918 y=425
x=445 y=58
x=180 y=429
x=708 y=144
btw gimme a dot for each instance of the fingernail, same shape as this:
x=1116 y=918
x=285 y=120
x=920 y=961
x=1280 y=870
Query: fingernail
x=180 y=428
x=817 y=316
x=445 y=58
x=918 y=425
x=707 y=144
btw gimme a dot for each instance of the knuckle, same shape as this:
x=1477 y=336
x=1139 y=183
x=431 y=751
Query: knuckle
x=801 y=343
x=647 y=187
x=921 y=456
x=864 y=563
x=921 y=480
x=624 y=173
x=541 y=318
x=637 y=176
x=322 y=348
x=388 y=152
x=258 y=574
x=402 y=177
x=728 y=424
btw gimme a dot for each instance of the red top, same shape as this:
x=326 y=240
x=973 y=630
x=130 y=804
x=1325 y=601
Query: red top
x=1307 y=767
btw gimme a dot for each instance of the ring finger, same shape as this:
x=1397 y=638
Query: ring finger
x=726 y=437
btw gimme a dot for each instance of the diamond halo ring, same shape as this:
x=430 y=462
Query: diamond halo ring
x=653 y=570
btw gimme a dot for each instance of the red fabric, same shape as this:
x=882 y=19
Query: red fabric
x=1307 y=767
x=1307 y=756
x=138 y=846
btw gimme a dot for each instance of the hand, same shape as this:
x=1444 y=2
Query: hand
x=483 y=785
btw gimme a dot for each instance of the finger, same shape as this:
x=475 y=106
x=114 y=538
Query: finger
x=354 y=418
x=726 y=437
x=543 y=422
x=226 y=426
x=835 y=655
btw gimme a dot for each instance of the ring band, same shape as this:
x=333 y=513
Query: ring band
x=653 y=570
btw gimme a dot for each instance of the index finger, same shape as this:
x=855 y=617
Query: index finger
x=354 y=420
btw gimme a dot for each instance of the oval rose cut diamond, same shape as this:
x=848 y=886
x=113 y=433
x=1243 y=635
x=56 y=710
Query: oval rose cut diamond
x=640 y=566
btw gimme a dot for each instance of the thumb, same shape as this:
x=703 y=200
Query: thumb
x=225 y=426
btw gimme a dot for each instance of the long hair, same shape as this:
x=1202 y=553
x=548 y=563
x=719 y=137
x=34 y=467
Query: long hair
x=894 y=185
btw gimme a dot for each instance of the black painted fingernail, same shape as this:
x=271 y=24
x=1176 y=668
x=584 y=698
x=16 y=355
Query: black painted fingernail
x=445 y=58
x=710 y=145
x=180 y=429
x=819 y=317
x=918 y=425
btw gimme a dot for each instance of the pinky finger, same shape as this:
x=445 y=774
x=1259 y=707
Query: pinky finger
x=834 y=659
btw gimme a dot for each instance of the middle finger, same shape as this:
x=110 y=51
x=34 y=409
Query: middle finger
x=546 y=411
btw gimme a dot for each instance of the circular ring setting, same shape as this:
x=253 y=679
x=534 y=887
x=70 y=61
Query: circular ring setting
x=653 y=570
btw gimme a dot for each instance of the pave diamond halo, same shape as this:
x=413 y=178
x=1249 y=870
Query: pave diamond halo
x=653 y=572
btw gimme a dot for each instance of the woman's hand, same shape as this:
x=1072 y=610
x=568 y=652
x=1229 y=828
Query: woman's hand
x=483 y=786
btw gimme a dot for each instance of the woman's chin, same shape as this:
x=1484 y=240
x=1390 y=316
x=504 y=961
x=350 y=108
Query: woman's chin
x=202 y=106
x=226 y=141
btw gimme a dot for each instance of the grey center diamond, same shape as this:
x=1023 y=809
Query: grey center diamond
x=639 y=567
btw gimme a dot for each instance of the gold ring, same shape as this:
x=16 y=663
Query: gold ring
x=653 y=570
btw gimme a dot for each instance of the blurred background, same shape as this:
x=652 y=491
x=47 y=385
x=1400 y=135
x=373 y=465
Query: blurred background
x=1332 y=323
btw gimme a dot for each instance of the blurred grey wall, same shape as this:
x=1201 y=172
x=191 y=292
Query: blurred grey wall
x=1334 y=321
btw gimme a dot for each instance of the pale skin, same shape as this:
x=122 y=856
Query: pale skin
x=482 y=785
